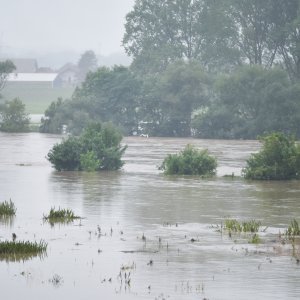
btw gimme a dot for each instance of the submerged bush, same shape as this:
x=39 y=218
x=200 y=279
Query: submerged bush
x=7 y=208
x=279 y=159
x=190 y=161
x=97 y=148
x=89 y=161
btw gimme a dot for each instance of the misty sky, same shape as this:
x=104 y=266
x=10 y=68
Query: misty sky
x=63 y=25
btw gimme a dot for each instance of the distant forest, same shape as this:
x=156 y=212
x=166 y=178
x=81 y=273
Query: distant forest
x=209 y=69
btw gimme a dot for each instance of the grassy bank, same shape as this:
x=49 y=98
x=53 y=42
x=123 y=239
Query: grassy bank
x=36 y=98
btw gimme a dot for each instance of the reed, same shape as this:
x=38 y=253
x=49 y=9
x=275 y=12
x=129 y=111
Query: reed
x=255 y=239
x=7 y=208
x=293 y=230
x=251 y=226
x=21 y=250
x=246 y=226
x=61 y=216
x=233 y=225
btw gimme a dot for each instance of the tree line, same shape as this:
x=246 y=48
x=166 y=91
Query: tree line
x=210 y=69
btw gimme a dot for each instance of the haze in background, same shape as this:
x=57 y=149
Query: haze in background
x=56 y=31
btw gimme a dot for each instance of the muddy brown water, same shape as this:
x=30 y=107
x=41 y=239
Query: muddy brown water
x=146 y=222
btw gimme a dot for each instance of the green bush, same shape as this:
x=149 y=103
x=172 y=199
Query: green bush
x=89 y=161
x=279 y=159
x=190 y=161
x=13 y=117
x=66 y=155
x=97 y=148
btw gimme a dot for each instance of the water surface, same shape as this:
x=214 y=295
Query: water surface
x=140 y=222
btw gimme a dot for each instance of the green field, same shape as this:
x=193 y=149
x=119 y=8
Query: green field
x=36 y=97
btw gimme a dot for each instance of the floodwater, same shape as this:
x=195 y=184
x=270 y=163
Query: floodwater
x=145 y=235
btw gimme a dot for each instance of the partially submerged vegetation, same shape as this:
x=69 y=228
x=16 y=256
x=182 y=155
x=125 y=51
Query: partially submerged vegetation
x=293 y=229
x=21 y=250
x=233 y=225
x=279 y=159
x=190 y=161
x=13 y=117
x=97 y=148
x=61 y=216
x=7 y=209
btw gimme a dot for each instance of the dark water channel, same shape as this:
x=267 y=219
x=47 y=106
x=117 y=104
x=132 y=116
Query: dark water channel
x=148 y=222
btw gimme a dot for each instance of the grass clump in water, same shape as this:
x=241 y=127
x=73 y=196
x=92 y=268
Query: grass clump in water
x=246 y=226
x=21 y=250
x=293 y=230
x=7 y=208
x=61 y=216
x=233 y=225
x=251 y=226
x=255 y=239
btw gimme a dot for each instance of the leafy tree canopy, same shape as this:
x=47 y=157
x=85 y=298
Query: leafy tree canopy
x=87 y=63
x=279 y=159
x=107 y=95
x=182 y=87
x=158 y=33
x=13 y=117
x=219 y=34
x=250 y=102
x=6 y=67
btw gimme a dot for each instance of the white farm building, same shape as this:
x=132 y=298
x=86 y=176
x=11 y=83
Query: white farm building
x=39 y=79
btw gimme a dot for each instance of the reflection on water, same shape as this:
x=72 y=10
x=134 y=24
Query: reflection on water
x=7 y=220
x=21 y=257
x=145 y=235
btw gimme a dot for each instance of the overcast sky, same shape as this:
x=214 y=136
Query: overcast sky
x=63 y=25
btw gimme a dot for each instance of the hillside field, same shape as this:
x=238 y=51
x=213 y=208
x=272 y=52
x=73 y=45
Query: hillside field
x=36 y=97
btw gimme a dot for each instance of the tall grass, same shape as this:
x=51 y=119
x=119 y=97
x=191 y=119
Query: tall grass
x=293 y=230
x=246 y=226
x=21 y=250
x=61 y=216
x=7 y=208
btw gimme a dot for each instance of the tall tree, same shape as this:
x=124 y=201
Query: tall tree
x=266 y=30
x=183 y=88
x=111 y=95
x=161 y=32
x=287 y=34
x=170 y=98
x=250 y=102
x=107 y=95
x=6 y=67
x=13 y=117
x=252 y=20
x=87 y=62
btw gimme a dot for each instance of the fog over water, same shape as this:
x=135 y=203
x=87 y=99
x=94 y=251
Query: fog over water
x=32 y=27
